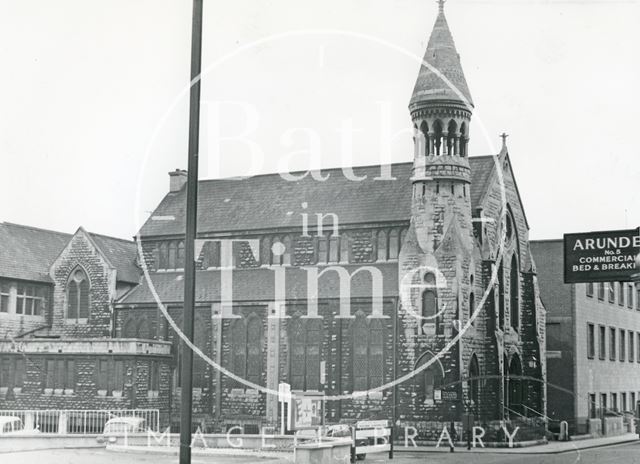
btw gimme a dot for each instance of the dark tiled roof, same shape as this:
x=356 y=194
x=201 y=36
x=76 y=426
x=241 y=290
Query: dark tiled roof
x=442 y=55
x=27 y=253
x=121 y=254
x=270 y=202
x=258 y=285
x=481 y=169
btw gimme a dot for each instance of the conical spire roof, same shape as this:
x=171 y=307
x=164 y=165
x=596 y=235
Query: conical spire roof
x=442 y=55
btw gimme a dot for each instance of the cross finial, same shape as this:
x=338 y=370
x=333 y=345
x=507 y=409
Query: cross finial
x=504 y=136
x=441 y=5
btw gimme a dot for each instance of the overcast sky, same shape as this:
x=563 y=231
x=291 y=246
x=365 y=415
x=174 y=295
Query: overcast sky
x=94 y=112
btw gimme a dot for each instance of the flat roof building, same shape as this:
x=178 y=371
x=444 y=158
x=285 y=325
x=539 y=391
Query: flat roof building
x=593 y=342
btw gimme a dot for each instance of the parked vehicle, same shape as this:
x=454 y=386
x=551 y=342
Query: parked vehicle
x=120 y=426
x=12 y=425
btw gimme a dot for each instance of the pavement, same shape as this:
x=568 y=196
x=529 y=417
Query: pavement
x=608 y=450
x=553 y=447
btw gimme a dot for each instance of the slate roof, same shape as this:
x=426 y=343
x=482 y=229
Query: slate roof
x=271 y=202
x=27 y=253
x=257 y=284
x=442 y=55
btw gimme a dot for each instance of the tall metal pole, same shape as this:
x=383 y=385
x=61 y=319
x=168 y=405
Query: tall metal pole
x=190 y=236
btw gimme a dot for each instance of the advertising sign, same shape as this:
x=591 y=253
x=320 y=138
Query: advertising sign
x=607 y=256
x=307 y=412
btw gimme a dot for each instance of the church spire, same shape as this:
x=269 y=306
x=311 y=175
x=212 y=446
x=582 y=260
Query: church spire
x=442 y=56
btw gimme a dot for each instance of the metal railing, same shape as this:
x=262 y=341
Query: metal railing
x=79 y=421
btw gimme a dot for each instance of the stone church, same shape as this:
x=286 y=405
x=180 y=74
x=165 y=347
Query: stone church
x=442 y=292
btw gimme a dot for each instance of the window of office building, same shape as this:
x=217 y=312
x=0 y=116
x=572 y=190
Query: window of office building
x=602 y=347
x=591 y=349
x=623 y=344
x=612 y=344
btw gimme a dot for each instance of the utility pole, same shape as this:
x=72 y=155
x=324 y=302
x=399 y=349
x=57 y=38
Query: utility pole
x=190 y=235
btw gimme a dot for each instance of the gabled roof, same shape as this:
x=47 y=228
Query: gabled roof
x=271 y=202
x=27 y=253
x=442 y=55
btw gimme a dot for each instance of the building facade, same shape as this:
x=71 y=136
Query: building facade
x=468 y=335
x=419 y=271
x=57 y=344
x=593 y=343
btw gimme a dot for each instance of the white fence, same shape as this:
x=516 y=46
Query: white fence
x=79 y=421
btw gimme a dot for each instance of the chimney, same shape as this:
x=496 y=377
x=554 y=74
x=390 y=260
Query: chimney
x=177 y=179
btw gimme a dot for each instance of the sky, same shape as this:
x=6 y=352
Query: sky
x=95 y=105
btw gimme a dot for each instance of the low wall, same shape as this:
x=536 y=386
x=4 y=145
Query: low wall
x=46 y=441
x=330 y=451
x=595 y=427
x=613 y=426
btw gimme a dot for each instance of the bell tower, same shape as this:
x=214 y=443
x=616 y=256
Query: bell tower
x=441 y=108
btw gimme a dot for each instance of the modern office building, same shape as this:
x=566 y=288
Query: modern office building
x=593 y=342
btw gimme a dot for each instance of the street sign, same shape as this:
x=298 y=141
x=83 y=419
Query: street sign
x=607 y=256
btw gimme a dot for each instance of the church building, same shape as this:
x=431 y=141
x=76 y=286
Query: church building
x=442 y=316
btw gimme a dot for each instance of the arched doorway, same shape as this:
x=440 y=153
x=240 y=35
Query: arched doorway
x=515 y=384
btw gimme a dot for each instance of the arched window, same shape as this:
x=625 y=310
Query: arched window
x=305 y=338
x=424 y=130
x=254 y=350
x=463 y=139
x=438 y=148
x=514 y=294
x=429 y=380
x=474 y=381
x=394 y=243
x=382 y=245
x=501 y=296
x=78 y=295
x=452 y=138
x=430 y=304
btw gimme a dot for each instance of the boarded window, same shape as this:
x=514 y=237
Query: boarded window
x=305 y=340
